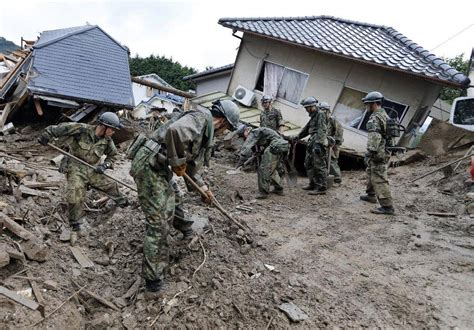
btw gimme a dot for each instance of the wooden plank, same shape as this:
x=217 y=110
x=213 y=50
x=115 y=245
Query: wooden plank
x=38 y=108
x=81 y=258
x=37 y=292
x=103 y=301
x=32 y=192
x=19 y=299
x=34 y=184
x=14 y=227
x=442 y=214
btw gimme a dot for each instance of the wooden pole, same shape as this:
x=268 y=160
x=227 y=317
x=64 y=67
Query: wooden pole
x=440 y=168
x=214 y=202
x=90 y=166
x=162 y=88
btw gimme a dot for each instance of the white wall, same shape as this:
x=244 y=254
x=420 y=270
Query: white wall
x=140 y=91
x=328 y=75
x=212 y=83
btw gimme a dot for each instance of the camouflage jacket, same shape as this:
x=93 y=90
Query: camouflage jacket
x=187 y=138
x=335 y=130
x=316 y=128
x=83 y=143
x=271 y=118
x=260 y=137
x=376 y=140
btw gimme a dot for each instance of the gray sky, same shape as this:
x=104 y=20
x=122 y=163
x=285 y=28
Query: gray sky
x=188 y=31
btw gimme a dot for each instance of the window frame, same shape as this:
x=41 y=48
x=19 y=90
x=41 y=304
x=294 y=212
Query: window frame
x=279 y=99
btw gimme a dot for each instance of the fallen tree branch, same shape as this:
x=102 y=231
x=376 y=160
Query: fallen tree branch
x=204 y=261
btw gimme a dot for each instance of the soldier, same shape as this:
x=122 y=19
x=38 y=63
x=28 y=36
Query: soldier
x=88 y=143
x=335 y=136
x=185 y=143
x=316 y=151
x=272 y=149
x=377 y=156
x=270 y=117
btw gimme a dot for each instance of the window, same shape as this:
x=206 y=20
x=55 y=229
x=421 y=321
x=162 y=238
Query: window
x=464 y=112
x=351 y=112
x=281 y=82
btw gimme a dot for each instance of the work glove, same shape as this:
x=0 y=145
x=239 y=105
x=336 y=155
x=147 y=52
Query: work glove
x=180 y=170
x=101 y=168
x=209 y=197
x=43 y=139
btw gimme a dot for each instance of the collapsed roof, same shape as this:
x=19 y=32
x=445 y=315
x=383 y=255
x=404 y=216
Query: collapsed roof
x=374 y=44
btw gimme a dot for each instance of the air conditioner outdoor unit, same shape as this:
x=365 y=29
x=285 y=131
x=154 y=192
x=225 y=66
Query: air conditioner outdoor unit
x=244 y=95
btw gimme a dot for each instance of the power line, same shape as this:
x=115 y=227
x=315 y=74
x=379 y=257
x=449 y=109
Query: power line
x=452 y=37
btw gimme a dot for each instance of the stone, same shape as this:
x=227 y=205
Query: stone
x=102 y=321
x=35 y=250
x=4 y=257
x=65 y=235
x=50 y=285
x=470 y=208
x=294 y=313
x=200 y=224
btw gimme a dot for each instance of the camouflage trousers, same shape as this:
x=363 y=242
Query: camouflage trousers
x=158 y=201
x=334 y=166
x=267 y=171
x=79 y=178
x=377 y=184
x=316 y=166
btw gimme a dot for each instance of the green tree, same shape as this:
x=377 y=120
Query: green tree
x=448 y=94
x=171 y=71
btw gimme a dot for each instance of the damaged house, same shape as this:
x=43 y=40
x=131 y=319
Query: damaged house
x=338 y=61
x=75 y=71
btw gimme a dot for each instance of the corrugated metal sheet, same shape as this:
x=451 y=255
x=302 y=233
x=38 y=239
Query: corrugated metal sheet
x=82 y=63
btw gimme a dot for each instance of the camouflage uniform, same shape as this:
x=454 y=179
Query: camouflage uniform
x=274 y=148
x=82 y=142
x=316 y=151
x=186 y=138
x=272 y=119
x=377 y=184
x=336 y=131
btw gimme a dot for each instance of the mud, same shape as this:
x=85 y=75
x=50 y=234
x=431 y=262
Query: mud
x=340 y=264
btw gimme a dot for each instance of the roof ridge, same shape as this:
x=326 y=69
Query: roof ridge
x=81 y=29
x=301 y=18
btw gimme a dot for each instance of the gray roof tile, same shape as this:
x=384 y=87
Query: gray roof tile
x=82 y=63
x=376 y=44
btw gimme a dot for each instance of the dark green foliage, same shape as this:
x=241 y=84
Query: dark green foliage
x=457 y=62
x=172 y=72
x=6 y=45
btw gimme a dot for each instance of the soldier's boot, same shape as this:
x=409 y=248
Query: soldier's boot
x=187 y=233
x=337 y=180
x=368 y=198
x=386 y=207
x=278 y=191
x=309 y=187
x=261 y=195
x=319 y=191
x=154 y=290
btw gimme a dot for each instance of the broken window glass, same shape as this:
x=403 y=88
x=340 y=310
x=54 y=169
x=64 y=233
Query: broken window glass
x=464 y=112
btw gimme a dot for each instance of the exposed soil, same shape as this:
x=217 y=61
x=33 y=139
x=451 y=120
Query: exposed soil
x=340 y=264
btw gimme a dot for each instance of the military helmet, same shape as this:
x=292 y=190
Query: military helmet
x=241 y=130
x=266 y=98
x=309 y=102
x=373 y=97
x=110 y=119
x=229 y=110
x=324 y=106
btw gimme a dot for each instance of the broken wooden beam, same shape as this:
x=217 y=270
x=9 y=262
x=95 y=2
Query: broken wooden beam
x=32 y=192
x=35 y=185
x=103 y=301
x=37 y=292
x=14 y=227
x=19 y=299
x=440 y=168
x=35 y=250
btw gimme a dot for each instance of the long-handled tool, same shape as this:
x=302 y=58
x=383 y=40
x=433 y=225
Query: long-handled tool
x=214 y=202
x=65 y=153
x=330 y=179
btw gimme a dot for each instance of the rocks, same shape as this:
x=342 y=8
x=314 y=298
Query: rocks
x=50 y=285
x=35 y=250
x=294 y=313
x=102 y=321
